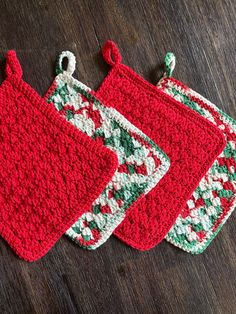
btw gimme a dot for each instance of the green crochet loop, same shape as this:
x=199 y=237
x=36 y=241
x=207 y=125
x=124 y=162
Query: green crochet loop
x=169 y=62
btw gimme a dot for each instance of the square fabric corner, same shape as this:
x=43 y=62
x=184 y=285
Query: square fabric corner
x=50 y=172
x=213 y=200
x=141 y=163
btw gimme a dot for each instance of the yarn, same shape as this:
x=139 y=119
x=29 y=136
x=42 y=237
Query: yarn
x=191 y=142
x=50 y=173
x=214 y=200
x=141 y=164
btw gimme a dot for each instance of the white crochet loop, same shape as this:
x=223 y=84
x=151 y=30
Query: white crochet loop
x=71 y=62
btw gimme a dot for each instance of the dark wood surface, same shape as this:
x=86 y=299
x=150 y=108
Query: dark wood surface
x=116 y=278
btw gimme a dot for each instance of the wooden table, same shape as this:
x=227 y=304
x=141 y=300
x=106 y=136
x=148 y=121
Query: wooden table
x=116 y=278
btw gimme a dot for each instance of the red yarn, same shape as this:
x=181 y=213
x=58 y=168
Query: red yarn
x=50 y=172
x=190 y=141
x=111 y=54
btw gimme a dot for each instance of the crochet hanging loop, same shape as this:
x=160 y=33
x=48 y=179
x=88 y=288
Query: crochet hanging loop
x=70 y=65
x=13 y=66
x=111 y=53
x=169 y=64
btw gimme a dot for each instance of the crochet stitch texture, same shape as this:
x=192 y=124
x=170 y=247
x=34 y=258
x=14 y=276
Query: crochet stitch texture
x=214 y=199
x=141 y=164
x=50 y=172
x=191 y=142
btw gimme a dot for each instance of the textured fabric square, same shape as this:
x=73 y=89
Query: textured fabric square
x=50 y=173
x=214 y=199
x=191 y=142
x=141 y=163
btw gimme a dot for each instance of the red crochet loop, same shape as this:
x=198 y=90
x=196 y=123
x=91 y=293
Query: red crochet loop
x=12 y=64
x=111 y=53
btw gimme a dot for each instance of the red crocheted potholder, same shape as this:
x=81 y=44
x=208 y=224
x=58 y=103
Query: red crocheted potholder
x=50 y=172
x=191 y=142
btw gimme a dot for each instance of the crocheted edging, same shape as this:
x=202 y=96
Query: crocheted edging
x=110 y=113
x=210 y=236
x=49 y=113
x=171 y=86
x=152 y=180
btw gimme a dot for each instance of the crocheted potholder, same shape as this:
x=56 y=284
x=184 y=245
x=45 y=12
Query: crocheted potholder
x=190 y=141
x=50 y=173
x=141 y=163
x=214 y=199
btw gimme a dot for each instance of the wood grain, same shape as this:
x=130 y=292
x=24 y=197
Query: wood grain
x=116 y=278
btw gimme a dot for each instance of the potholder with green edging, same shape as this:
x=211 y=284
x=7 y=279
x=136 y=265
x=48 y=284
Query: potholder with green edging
x=214 y=199
x=141 y=163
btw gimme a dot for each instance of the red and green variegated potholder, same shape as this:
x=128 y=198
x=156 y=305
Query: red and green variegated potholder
x=141 y=164
x=214 y=199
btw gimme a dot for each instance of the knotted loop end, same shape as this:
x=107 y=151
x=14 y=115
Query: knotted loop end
x=71 y=63
x=169 y=64
x=111 y=53
x=13 y=66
